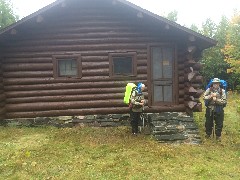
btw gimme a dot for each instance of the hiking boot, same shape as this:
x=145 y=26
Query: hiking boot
x=207 y=136
x=218 y=138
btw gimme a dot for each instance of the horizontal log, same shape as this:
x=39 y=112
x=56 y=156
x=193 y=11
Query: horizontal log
x=189 y=63
x=142 y=62
x=197 y=66
x=95 y=72
x=86 y=59
x=181 y=73
x=190 y=91
x=93 y=41
x=2 y=111
x=28 y=67
x=2 y=104
x=79 y=85
x=26 y=81
x=197 y=79
x=2 y=117
x=62 y=92
x=45 y=106
x=91 y=111
x=95 y=65
x=89 y=97
x=109 y=47
x=181 y=92
x=2 y=97
x=194 y=85
x=199 y=93
x=181 y=86
x=55 y=36
x=82 y=52
x=188 y=98
x=69 y=112
x=181 y=79
x=181 y=66
x=27 y=74
x=181 y=100
x=28 y=60
x=75 y=35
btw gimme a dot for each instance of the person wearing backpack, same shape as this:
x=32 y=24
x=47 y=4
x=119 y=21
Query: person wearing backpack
x=137 y=102
x=215 y=101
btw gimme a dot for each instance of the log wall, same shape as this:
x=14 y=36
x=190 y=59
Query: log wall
x=189 y=81
x=2 y=95
x=27 y=67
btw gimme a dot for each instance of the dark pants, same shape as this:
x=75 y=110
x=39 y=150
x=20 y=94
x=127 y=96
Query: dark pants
x=212 y=117
x=135 y=121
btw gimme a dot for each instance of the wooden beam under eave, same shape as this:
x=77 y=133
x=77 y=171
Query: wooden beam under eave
x=39 y=19
x=140 y=15
x=167 y=26
x=191 y=38
x=13 y=32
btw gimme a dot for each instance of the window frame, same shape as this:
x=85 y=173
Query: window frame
x=57 y=58
x=133 y=55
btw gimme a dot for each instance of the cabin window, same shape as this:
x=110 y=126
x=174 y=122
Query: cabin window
x=123 y=64
x=69 y=66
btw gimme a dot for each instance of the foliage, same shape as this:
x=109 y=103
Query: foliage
x=113 y=153
x=7 y=15
x=213 y=58
x=172 y=16
x=231 y=49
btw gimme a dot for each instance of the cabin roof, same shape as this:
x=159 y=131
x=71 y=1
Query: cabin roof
x=208 y=42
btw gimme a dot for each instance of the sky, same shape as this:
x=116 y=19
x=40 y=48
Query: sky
x=189 y=11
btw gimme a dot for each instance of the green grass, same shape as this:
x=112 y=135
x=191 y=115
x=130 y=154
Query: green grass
x=112 y=153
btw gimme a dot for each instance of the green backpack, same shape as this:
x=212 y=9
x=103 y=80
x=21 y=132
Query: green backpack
x=128 y=92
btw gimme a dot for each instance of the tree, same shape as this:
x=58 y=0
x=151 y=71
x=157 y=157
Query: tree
x=172 y=16
x=213 y=58
x=7 y=15
x=231 y=50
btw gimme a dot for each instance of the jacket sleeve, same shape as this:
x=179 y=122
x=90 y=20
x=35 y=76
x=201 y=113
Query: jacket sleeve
x=206 y=95
x=133 y=98
x=222 y=99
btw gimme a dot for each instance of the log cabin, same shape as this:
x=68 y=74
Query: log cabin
x=75 y=57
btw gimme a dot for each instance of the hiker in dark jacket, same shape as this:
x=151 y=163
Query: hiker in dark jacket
x=137 y=103
x=216 y=99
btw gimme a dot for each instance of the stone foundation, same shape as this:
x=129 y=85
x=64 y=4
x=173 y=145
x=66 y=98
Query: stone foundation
x=165 y=127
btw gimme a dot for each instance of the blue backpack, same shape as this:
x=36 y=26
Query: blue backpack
x=223 y=85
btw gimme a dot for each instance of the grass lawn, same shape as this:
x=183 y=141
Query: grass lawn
x=113 y=153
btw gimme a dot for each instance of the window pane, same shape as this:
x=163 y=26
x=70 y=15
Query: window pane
x=67 y=67
x=167 y=93
x=157 y=62
x=167 y=62
x=122 y=65
x=158 y=93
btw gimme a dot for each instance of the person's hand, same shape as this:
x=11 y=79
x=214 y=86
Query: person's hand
x=214 y=94
x=214 y=98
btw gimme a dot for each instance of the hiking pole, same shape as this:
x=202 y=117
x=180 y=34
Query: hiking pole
x=143 y=119
x=213 y=130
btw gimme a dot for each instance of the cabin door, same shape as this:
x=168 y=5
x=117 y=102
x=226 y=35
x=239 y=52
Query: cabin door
x=162 y=81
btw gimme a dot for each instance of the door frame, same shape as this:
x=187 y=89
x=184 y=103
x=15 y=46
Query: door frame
x=174 y=77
